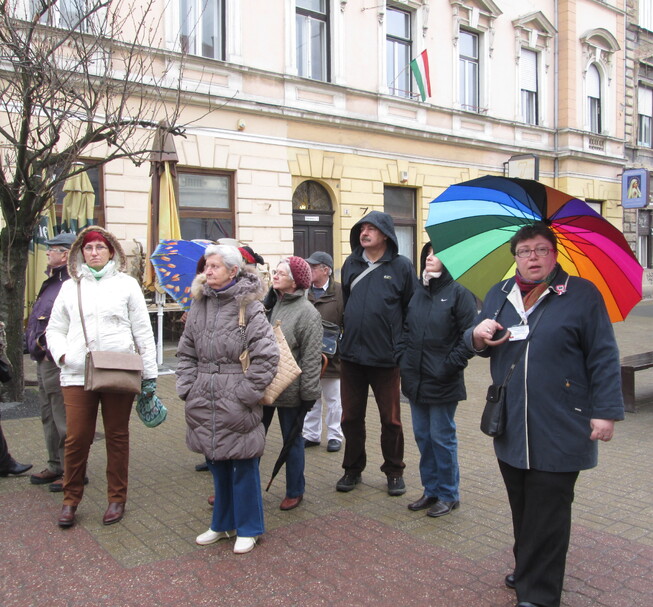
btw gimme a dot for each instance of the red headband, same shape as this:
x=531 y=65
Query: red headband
x=94 y=236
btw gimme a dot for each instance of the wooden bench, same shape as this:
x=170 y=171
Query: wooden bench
x=630 y=364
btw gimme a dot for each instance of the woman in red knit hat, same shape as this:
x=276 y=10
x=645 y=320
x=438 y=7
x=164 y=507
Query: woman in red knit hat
x=301 y=324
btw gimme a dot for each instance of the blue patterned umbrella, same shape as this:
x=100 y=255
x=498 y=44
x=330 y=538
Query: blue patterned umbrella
x=175 y=264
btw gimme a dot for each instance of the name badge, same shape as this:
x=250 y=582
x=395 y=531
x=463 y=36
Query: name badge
x=518 y=332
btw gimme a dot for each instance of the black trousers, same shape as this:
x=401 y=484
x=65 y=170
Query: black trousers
x=541 y=517
x=5 y=458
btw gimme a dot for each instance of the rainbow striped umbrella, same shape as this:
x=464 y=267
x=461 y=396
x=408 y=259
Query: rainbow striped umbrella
x=470 y=225
x=175 y=264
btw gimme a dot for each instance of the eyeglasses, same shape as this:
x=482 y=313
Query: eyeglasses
x=539 y=251
x=280 y=274
x=89 y=248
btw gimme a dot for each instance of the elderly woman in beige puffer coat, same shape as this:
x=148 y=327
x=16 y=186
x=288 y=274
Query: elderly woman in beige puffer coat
x=222 y=411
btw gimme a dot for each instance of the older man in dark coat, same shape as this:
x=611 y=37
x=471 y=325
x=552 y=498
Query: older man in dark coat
x=53 y=410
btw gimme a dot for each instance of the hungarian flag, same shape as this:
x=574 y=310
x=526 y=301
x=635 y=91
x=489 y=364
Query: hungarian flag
x=420 y=68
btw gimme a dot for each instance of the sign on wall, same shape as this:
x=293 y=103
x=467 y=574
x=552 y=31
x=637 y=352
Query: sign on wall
x=634 y=188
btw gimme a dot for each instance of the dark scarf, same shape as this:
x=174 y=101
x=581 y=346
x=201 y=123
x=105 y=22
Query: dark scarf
x=532 y=289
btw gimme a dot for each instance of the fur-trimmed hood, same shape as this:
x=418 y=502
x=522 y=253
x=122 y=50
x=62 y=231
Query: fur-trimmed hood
x=200 y=289
x=76 y=257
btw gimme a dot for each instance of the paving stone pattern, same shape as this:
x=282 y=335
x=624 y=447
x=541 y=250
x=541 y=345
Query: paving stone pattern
x=350 y=549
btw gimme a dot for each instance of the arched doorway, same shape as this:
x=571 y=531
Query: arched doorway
x=312 y=219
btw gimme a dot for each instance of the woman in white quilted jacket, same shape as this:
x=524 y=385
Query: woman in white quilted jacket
x=117 y=320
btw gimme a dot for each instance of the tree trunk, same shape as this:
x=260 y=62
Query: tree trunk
x=13 y=267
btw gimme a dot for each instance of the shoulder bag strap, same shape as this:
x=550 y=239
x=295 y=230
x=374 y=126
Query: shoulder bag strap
x=364 y=273
x=242 y=324
x=81 y=312
x=524 y=343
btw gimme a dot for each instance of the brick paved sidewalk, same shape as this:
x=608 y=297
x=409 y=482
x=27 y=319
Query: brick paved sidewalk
x=358 y=548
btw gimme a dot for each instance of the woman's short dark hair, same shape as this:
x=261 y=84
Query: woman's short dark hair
x=539 y=228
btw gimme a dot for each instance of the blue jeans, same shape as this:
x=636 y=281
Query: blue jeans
x=435 y=434
x=238 y=500
x=295 y=482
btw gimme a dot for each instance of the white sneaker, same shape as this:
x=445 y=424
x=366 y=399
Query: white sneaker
x=244 y=544
x=210 y=537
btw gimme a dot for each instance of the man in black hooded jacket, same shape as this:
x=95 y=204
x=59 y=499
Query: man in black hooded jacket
x=377 y=285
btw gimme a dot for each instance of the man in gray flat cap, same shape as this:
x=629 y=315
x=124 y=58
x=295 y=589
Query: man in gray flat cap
x=326 y=295
x=53 y=411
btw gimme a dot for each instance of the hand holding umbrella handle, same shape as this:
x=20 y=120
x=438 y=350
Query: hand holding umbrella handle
x=484 y=332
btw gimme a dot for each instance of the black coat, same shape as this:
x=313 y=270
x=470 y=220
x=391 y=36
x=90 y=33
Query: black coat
x=568 y=375
x=375 y=310
x=38 y=319
x=330 y=306
x=433 y=353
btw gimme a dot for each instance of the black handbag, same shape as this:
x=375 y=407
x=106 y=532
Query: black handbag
x=330 y=338
x=493 y=419
x=5 y=371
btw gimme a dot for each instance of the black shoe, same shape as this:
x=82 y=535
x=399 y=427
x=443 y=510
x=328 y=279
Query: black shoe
x=203 y=467
x=442 y=508
x=510 y=580
x=15 y=468
x=396 y=485
x=348 y=482
x=333 y=445
x=422 y=503
x=311 y=443
x=526 y=604
x=57 y=486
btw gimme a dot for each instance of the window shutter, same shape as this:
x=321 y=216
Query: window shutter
x=645 y=101
x=593 y=82
x=528 y=70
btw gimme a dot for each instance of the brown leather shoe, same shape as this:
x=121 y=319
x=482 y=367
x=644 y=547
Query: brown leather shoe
x=288 y=503
x=67 y=516
x=114 y=513
x=211 y=500
x=45 y=477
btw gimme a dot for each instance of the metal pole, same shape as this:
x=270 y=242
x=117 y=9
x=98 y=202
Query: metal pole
x=160 y=299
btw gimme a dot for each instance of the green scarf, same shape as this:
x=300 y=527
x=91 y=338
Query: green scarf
x=97 y=274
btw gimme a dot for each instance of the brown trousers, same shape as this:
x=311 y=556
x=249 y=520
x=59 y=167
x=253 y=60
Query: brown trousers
x=81 y=416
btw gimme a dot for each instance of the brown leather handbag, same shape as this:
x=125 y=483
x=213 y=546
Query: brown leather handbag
x=108 y=371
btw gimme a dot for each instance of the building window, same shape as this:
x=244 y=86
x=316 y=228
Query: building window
x=646 y=14
x=645 y=238
x=645 y=116
x=594 y=99
x=595 y=205
x=469 y=71
x=528 y=81
x=398 y=50
x=69 y=14
x=202 y=28
x=313 y=39
x=400 y=203
x=206 y=204
x=311 y=196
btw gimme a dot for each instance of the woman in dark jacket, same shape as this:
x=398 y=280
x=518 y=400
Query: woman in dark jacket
x=432 y=358
x=223 y=414
x=563 y=397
